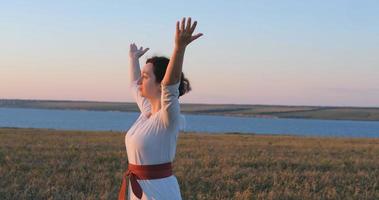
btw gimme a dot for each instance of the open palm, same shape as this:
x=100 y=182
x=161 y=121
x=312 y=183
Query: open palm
x=184 y=31
x=136 y=52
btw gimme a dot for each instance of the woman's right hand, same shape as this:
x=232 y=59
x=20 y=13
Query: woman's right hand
x=135 y=52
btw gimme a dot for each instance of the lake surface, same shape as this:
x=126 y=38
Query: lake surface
x=121 y=121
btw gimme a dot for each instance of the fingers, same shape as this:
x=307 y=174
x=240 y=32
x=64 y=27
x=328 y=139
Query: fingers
x=193 y=27
x=196 y=36
x=145 y=50
x=182 y=25
x=188 y=27
x=133 y=47
x=142 y=50
x=177 y=27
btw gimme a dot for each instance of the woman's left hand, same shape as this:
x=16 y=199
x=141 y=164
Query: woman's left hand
x=183 y=35
x=135 y=52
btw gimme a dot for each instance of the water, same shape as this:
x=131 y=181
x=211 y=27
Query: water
x=121 y=121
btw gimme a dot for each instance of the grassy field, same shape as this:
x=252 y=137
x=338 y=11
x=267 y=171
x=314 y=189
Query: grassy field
x=265 y=111
x=51 y=164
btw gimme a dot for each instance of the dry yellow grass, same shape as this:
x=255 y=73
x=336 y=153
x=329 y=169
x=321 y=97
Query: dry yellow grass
x=51 y=164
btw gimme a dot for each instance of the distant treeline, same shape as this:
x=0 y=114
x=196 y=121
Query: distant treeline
x=240 y=110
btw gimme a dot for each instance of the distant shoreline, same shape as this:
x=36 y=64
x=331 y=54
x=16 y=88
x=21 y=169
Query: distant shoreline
x=200 y=133
x=235 y=110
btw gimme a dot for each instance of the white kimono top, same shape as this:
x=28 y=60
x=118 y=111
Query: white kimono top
x=152 y=140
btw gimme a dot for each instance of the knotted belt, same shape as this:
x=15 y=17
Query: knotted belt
x=143 y=172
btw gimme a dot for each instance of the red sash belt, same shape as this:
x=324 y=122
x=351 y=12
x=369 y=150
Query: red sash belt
x=143 y=172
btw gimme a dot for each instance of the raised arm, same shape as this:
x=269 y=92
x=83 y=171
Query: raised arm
x=134 y=74
x=183 y=37
x=134 y=66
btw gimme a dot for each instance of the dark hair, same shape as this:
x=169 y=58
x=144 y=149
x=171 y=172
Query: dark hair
x=160 y=64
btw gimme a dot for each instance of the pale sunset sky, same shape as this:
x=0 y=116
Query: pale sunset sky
x=286 y=52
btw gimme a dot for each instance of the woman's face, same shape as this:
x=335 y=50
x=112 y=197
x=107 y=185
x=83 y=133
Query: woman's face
x=147 y=85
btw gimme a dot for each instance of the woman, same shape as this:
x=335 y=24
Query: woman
x=151 y=141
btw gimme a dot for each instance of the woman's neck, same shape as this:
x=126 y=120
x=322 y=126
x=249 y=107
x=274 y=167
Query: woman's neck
x=155 y=105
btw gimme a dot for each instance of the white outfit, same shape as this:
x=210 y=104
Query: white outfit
x=152 y=140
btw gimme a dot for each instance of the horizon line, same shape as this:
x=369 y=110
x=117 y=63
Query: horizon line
x=282 y=105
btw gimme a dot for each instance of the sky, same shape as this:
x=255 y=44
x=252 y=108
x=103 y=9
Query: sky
x=288 y=52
